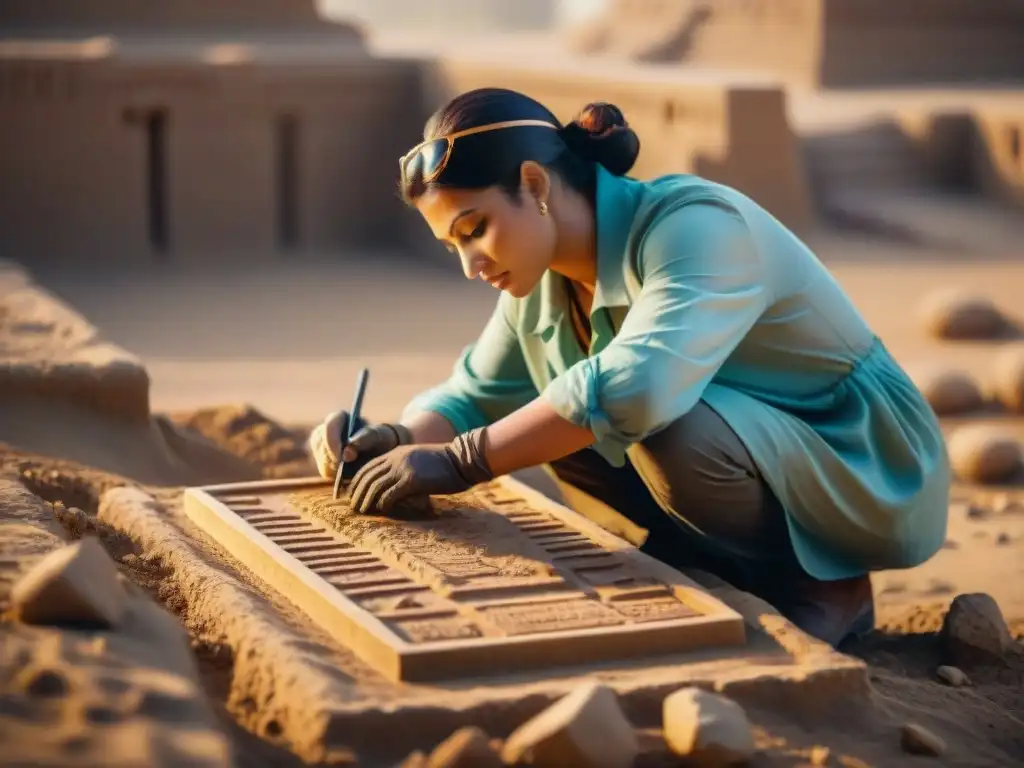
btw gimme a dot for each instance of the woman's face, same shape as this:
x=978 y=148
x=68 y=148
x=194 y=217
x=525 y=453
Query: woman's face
x=506 y=242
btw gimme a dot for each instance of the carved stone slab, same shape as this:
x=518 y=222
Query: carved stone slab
x=497 y=580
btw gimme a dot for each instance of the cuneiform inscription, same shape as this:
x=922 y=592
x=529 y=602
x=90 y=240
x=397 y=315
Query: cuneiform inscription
x=529 y=618
x=504 y=579
x=656 y=609
x=436 y=630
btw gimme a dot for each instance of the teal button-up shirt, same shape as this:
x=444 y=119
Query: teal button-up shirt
x=702 y=294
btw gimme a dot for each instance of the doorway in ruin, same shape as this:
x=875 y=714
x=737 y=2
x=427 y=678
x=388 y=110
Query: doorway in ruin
x=286 y=180
x=153 y=124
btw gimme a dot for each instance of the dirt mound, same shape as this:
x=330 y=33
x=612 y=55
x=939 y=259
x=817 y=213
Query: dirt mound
x=243 y=431
x=67 y=392
x=48 y=350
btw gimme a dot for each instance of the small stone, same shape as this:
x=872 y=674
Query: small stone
x=953 y=676
x=74 y=585
x=983 y=454
x=1008 y=378
x=1005 y=504
x=707 y=728
x=918 y=740
x=974 y=631
x=949 y=391
x=1003 y=539
x=975 y=512
x=585 y=729
x=466 y=748
x=953 y=314
x=819 y=756
x=415 y=759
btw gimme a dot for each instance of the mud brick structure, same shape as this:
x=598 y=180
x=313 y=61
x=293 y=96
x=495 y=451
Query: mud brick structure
x=712 y=126
x=239 y=131
x=485 y=582
x=192 y=133
x=100 y=16
x=829 y=43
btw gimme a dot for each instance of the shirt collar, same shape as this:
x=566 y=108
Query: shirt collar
x=617 y=200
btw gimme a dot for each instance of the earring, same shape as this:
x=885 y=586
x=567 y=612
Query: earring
x=543 y=208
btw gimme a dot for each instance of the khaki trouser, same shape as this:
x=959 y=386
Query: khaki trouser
x=690 y=496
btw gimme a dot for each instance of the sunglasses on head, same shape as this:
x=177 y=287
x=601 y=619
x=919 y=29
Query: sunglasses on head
x=429 y=158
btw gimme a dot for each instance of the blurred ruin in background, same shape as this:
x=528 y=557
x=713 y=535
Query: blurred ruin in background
x=247 y=129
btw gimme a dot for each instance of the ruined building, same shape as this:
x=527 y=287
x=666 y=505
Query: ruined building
x=826 y=43
x=250 y=129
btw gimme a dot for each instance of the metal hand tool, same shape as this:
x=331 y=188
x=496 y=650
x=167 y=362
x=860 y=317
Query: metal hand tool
x=353 y=419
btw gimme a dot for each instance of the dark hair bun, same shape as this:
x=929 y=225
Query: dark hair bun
x=601 y=134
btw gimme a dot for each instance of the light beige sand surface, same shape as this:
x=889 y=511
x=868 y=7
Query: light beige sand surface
x=291 y=338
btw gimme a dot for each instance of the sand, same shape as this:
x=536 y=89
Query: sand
x=255 y=696
x=243 y=668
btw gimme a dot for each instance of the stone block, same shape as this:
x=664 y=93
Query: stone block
x=953 y=314
x=483 y=581
x=706 y=728
x=466 y=748
x=982 y=453
x=75 y=585
x=948 y=390
x=47 y=350
x=586 y=729
x=975 y=631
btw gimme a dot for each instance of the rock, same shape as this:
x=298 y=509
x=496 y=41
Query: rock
x=1006 y=504
x=974 y=512
x=974 y=631
x=1008 y=378
x=75 y=585
x=415 y=759
x=585 y=729
x=1003 y=539
x=918 y=740
x=953 y=676
x=953 y=314
x=466 y=748
x=50 y=351
x=984 y=454
x=707 y=728
x=949 y=391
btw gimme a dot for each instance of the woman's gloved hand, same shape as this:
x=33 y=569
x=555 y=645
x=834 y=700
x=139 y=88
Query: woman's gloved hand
x=367 y=443
x=420 y=470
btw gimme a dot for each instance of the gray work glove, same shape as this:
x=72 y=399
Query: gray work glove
x=367 y=443
x=411 y=471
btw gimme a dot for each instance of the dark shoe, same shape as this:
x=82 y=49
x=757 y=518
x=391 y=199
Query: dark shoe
x=832 y=611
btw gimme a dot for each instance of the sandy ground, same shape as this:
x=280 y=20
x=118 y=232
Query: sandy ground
x=289 y=338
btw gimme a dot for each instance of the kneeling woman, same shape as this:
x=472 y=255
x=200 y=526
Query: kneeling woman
x=669 y=349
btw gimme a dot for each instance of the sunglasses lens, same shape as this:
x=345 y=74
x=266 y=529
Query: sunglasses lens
x=428 y=160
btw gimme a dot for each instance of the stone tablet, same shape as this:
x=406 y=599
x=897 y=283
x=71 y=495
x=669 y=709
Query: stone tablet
x=497 y=580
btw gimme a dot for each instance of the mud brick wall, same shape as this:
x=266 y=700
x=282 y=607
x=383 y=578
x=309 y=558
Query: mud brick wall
x=71 y=174
x=883 y=41
x=825 y=42
x=733 y=133
x=104 y=13
x=114 y=162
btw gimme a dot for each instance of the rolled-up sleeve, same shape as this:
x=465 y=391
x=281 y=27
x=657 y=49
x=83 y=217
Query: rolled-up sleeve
x=489 y=380
x=703 y=289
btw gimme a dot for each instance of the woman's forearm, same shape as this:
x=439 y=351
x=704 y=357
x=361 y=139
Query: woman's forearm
x=429 y=427
x=534 y=434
